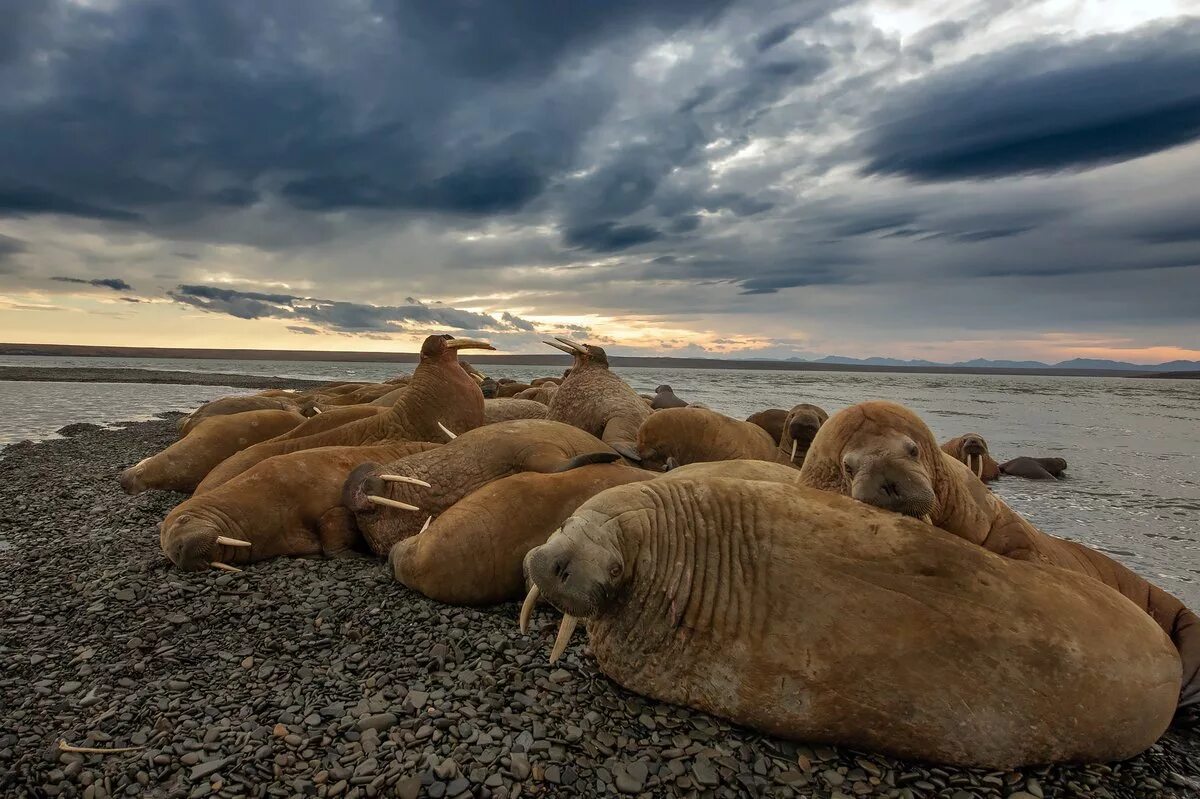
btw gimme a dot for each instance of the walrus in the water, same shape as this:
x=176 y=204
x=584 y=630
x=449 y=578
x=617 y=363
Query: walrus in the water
x=472 y=553
x=799 y=428
x=594 y=399
x=676 y=436
x=1034 y=468
x=286 y=505
x=664 y=397
x=772 y=420
x=470 y=461
x=181 y=466
x=882 y=453
x=508 y=408
x=972 y=451
x=440 y=397
x=224 y=406
x=808 y=616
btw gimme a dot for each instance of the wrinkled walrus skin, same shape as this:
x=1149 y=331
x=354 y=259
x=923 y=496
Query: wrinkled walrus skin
x=594 y=399
x=898 y=465
x=678 y=436
x=286 y=505
x=472 y=553
x=461 y=466
x=181 y=466
x=508 y=408
x=972 y=450
x=224 y=406
x=440 y=391
x=809 y=616
x=772 y=420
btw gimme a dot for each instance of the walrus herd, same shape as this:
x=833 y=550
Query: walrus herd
x=829 y=578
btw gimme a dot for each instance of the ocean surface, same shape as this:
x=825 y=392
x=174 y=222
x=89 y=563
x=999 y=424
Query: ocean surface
x=1133 y=445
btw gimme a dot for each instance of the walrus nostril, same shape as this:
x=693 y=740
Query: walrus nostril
x=891 y=489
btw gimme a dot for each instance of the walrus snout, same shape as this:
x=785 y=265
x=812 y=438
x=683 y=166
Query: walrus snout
x=896 y=486
x=362 y=482
x=576 y=577
x=189 y=543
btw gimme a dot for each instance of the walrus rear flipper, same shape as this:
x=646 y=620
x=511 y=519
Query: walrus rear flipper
x=588 y=459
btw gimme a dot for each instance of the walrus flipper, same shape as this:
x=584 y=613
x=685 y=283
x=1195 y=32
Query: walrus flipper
x=588 y=459
x=338 y=533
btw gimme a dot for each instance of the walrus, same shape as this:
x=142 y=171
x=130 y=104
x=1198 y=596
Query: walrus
x=812 y=617
x=181 y=466
x=367 y=393
x=489 y=387
x=799 y=428
x=328 y=420
x=594 y=399
x=677 y=436
x=470 y=461
x=882 y=453
x=972 y=450
x=664 y=397
x=767 y=471
x=772 y=420
x=1034 y=468
x=511 y=389
x=224 y=406
x=472 y=553
x=441 y=396
x=286 y=505
x=541 y=381
x=502 y=410
x=543 y=393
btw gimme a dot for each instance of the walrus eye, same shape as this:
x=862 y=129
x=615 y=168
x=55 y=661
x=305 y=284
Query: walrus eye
x=913 y=452
x=848 y=467
x=614 y=571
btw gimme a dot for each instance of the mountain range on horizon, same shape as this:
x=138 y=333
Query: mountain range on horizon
x=984 y=363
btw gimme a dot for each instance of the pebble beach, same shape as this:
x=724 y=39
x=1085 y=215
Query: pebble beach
x=326 y=678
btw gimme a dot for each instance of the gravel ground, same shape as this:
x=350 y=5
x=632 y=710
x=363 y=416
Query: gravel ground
x=114 y=375
x=325 y=678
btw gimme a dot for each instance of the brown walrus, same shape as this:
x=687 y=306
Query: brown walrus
x=441 y=396
x=181 y=466
x=542 y=381
x=511 y=389
x=972 y=450
x=286 y=505
x=472 y=553
x=676 y=436
x=594 y=399
x=767 y=471
x=882 y=453
x=1034 y=468
x=772 y=420
x=327 y=420
x=224 y=406
x=470 y=461
x=799 y=428
x=664 y=397
x=808 y=616
x=543 y=393
x=503 y=410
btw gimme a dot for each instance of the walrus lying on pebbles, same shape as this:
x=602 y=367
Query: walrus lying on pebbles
x=508 y=408
x=181 y=466
x=440 y=396
x=594 y=399
x=472 y=553
x=972 y=450
x=809 y=616
x=224 y=406
x=375 y=492
x=1034 y=468
x=286 y=505
x=771 y=420
x=799 y=429
x=882 y=453
x=664 y=397
x=677 y=436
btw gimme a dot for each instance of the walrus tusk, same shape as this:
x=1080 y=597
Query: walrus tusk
x=565 y=630
x=446 y=430
x=399 y=478
x=391 y=503
x=425 y=526
x=232 y=542
x=317 y=410
x=927 y=519
x=63 y=746
x=468 y=344
x=562 y=347
x=570 y=342
x=979 y=466
x=793 y=450
x=527 y=606
x=225 y=567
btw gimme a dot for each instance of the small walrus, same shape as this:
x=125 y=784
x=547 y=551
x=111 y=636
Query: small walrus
x=799 y=429
x=664 y=397
x=882 y=453
x=223 y=406
x=972 y=450
x=676 y=436
x=181 y=466
x=809 y=616
x=1034 y=468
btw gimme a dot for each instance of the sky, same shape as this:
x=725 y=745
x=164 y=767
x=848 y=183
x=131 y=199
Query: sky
x=906 y=178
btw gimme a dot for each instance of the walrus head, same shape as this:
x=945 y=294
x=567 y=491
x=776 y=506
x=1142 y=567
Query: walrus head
x=800 y=428
x=879 y=453
x=578 y=572
x=195 y=541
x=443 y=346
x=664 y=387
x=584 y=354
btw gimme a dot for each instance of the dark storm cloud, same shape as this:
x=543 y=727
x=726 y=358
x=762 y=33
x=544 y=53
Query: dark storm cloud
x=339 y=316
x=10 y=246
x=609 y=237
x=114 y=283
x=1044 y=107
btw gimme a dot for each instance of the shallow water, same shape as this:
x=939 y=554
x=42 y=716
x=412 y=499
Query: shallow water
x=1133 y=486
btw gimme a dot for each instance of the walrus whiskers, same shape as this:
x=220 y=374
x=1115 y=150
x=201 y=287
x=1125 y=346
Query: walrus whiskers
x=232 y=542
x=446 y=430
x=527 y=606
x=400 y=478
x=391 y=503
x=565 y=631
x=225 y=567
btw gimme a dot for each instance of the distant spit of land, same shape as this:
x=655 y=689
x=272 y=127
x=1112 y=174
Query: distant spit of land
x=553 y=362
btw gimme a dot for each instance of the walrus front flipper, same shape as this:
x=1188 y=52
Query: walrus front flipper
x=588 y=459
x=338 y=533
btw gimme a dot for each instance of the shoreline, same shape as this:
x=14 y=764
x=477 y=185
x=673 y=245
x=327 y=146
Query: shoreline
x=75 y=374
x=327 y=677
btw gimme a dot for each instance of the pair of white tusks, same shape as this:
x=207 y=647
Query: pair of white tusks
x=229 y=542
x=565 y=629
x=392 y=503
x=975 y=464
